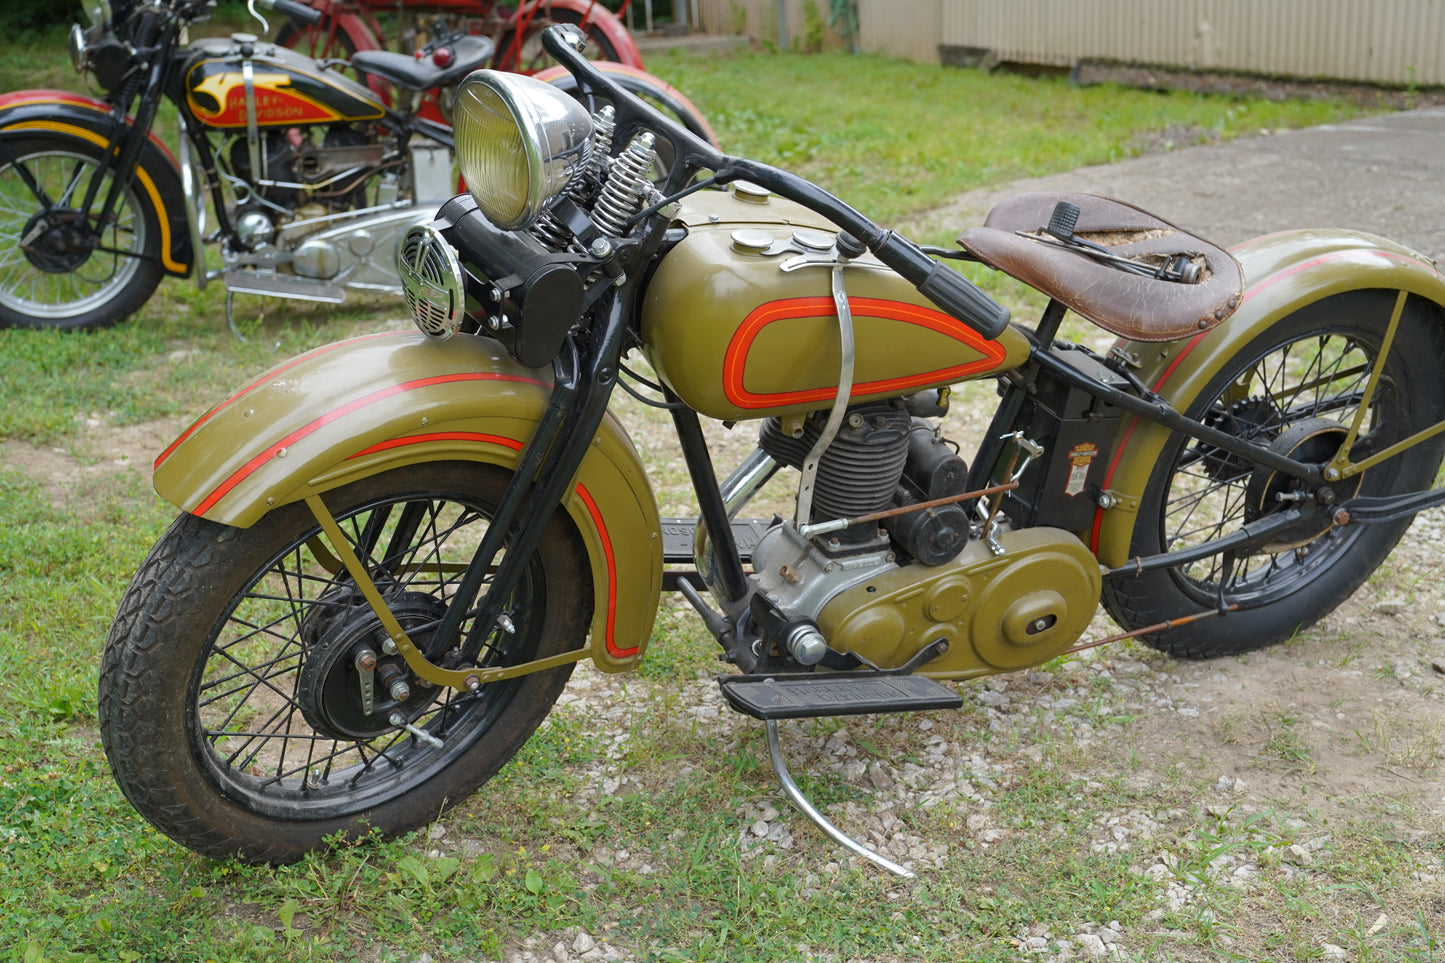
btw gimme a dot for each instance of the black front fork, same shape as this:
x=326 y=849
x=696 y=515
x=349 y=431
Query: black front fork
x=584 y=380
x=130 y=139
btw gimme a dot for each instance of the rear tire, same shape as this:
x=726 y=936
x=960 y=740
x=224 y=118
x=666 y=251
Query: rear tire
x=231 y=708
x=57 y=279
x=1308 y=367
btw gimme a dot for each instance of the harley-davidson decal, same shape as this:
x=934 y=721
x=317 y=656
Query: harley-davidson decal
x=217 y=94
x=274 y=104
x=1080 y=458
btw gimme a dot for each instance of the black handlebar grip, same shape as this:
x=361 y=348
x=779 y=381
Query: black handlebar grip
x=942 y=285
x=961 y=298
x=297 y=11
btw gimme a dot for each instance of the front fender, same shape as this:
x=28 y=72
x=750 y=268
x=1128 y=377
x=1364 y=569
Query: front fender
x=1283 y=273
x=88 y=119
x=349 y=410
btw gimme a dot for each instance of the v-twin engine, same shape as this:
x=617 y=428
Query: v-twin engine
x=323 y=243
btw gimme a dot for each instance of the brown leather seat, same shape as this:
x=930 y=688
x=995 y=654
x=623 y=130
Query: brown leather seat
x=1131 y=305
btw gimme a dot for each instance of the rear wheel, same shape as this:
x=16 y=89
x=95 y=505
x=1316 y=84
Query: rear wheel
x=327 y=41
x=234 y=702
x=1296 y=388
x=56 y=269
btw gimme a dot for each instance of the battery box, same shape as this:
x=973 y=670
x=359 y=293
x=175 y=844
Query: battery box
x=1060 y=488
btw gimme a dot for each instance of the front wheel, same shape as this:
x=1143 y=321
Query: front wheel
x=57 y=268
x=1296 y=388
x=249 y=706
x=524 y=54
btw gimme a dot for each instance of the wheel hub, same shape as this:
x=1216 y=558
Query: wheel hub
x=55 y=242
x=1314 y=441
x=351 y=686
x=1253 y=419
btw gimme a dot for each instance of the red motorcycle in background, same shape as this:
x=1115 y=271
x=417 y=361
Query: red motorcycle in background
x=347 y=26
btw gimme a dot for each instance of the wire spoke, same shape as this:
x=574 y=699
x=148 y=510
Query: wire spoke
x=278 y=699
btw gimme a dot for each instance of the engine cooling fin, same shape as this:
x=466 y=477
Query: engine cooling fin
x=859 y=472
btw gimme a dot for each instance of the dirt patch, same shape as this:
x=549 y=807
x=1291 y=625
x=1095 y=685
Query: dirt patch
x=1253 y=85
x=92 y=459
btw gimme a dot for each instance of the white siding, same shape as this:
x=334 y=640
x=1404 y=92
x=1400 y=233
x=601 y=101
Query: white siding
x=1380 y=41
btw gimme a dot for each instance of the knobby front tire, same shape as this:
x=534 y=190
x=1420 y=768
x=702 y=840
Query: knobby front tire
x=230 y=704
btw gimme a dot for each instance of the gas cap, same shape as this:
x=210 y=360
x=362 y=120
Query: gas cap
x=748 y=240
x=750 y=192
x=810 y=240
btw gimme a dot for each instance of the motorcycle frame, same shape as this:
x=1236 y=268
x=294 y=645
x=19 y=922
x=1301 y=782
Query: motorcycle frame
x=585 y=373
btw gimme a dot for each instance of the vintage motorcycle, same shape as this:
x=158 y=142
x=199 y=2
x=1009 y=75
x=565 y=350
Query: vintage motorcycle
x=349 y=26
x=313 y=177
x=394 y=548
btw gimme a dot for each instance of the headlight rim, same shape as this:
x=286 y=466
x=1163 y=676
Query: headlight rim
x=553 y=130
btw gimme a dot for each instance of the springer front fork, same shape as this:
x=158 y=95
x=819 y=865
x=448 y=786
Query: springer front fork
x=582 y=387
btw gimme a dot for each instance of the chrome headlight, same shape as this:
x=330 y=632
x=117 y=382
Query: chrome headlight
x=432 y=282
x=78 y=54
x=519 y=144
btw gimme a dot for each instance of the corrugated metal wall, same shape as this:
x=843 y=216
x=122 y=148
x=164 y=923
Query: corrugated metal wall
x=1381 y=41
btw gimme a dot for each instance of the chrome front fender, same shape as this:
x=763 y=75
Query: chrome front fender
x=352 y=409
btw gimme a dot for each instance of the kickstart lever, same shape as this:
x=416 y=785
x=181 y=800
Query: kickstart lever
x=1182 y=268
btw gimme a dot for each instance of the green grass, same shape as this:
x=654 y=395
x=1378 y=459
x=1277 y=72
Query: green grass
x=915 y=136
x=655 y=867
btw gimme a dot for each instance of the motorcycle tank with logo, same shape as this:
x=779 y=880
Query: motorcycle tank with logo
x=289 y=89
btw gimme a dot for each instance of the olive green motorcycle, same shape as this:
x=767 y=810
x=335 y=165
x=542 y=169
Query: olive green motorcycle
x=394 y=549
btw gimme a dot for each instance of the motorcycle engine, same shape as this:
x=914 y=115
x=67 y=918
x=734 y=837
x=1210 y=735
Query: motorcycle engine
x=881 y=458
x=279 y=156
x=331 y=173
x=884 y=590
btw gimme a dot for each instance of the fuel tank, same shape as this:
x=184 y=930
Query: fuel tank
x=740 y=322
x=289 y=88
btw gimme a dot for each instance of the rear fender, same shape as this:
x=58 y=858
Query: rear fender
x=352 y=409
x=1283 y=273
x=87 y=119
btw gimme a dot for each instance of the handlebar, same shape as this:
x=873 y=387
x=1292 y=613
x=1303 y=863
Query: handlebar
x=946 y=288
x=294 y=9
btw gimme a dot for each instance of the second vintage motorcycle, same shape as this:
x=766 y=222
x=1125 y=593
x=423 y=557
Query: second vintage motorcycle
x=313 y=178
x=393 y=549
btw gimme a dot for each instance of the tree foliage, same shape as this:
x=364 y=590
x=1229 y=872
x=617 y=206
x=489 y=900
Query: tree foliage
x=27 y=15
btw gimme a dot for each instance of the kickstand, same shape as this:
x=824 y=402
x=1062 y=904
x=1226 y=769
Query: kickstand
x=795 y=795
x=231 y=318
